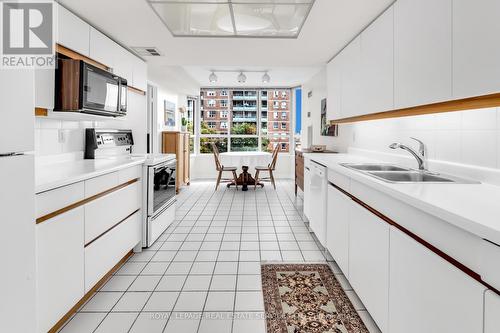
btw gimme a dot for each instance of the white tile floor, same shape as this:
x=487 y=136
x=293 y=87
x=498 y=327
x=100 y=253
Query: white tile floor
x=203 y=274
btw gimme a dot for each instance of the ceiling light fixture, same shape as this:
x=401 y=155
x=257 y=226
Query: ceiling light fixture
x=212 y=77
x=266 y=78
x=242 y=78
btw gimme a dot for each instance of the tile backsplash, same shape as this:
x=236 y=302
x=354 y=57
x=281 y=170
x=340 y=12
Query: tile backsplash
x=469 y=137
x=57 y=137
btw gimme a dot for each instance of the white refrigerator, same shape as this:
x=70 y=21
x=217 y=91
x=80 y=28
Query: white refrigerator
x=17 y=202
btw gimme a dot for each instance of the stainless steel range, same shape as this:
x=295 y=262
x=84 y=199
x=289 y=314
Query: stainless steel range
x=159 y=177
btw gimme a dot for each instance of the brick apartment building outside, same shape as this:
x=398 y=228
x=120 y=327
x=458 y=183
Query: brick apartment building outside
x=250 y=114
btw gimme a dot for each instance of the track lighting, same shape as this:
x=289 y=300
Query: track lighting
x=212 y=78
x=242 y=78
x=266 y=78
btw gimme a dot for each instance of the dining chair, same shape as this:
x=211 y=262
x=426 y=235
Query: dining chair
x=269 y=168
x=221 y=168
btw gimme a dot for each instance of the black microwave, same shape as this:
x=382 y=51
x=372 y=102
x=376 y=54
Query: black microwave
x=82 y=87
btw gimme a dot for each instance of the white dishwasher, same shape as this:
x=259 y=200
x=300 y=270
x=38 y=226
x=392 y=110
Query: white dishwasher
x=307 y=187
x=318 y=201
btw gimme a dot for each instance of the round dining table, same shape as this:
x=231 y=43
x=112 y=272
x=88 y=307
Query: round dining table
x=249 y=159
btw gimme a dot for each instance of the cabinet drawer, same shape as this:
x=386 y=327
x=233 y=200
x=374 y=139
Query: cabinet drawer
x=53 y=200
x=339 y=180
x=128 y=174
x=489 y=268
x=100 y=184
x=105 y=252
x=105 y=212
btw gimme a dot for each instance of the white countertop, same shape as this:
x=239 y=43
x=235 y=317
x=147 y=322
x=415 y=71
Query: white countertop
x=471 y=207
x=52 y=175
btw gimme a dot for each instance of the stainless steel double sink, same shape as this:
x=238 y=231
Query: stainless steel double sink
x=396 y=174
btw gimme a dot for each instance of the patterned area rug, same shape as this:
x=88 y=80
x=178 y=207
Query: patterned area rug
x=307 y=298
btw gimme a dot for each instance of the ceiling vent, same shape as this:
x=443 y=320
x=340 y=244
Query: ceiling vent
x=147 y=51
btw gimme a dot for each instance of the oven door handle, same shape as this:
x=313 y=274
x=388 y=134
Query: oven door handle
x=150 y=185
x=164 y=208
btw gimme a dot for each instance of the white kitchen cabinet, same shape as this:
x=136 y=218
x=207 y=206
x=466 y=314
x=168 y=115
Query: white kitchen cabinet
x=377 y=64
x=491 y=312
x=337 y=227
x=124 y=64
x=422 y=52
x=44 y=88
x=140 y=74
x=106 y=251
x=369 y=262
x=476 y=49
x=351 y=96
x=73 y=32
x=60 y=263
x=99 y=217
x=103 y=49
x=307 y=187
x=334 y=89
x=427 y=294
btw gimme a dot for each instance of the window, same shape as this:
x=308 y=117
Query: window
x=283 y=105
x=283 y=94
x=211 y=93
x=211 y=103
x=242 y=124
x=283 y=146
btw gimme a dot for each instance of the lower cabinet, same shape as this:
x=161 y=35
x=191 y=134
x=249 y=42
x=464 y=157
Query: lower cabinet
x=307 y=187
x=337 y=227
x=491 y=312
x=369 y=262
x=105 y=252
x=427 y=294
x=60 y=265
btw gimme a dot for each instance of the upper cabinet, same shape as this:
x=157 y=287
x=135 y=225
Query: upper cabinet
x=422 y=52
x=102 y=48
x=73 y=32
x=476 y=50
x=140 y=74
x=334 y=86
x=351 y=96
x=377 y=64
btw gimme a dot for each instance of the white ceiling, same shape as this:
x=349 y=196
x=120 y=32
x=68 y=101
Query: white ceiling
x=330 y=26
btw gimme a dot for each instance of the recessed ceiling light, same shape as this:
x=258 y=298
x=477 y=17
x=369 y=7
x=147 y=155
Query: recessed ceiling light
x=242 y=78
x=212 y=78
x=266 y=78
x=227 y=18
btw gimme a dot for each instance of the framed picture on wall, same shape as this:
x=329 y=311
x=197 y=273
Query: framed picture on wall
x=326 y=128
x=169 y=113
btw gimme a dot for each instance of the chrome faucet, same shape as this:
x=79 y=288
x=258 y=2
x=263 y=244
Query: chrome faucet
x=420 y=156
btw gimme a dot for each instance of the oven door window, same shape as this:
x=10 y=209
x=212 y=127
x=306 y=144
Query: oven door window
x=163 y=186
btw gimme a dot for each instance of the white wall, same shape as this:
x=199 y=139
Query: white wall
x=317 y=85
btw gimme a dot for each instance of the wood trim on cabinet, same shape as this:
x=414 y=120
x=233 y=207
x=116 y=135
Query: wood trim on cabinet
x=136 y=90
x=83 y=202
x=75 y=55
x=89 y=294
x=419 y=240
x=479 y=102
x=112 y=227
x=41 y=112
